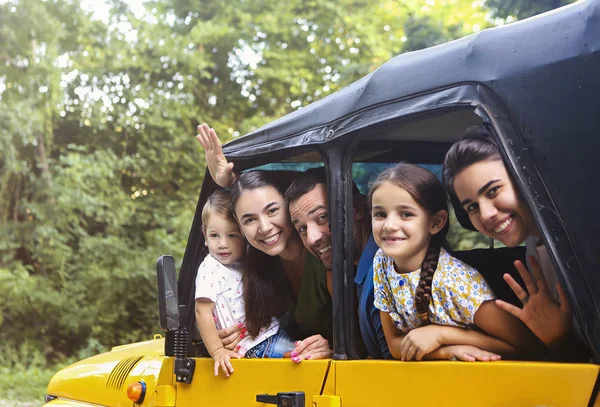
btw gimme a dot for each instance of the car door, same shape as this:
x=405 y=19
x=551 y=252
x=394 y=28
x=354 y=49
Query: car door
x=378 y=382
x=252 y=377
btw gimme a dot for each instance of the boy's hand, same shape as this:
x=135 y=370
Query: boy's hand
x=421 y=341
x=222 y=358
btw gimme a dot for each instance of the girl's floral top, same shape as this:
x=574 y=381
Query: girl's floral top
x=457 y=291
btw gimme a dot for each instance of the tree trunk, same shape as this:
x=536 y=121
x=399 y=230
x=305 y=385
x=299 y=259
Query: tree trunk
x=40 y=150
x=17 y=198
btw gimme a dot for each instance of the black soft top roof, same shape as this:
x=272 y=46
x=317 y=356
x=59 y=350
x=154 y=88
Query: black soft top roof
x=521 y=63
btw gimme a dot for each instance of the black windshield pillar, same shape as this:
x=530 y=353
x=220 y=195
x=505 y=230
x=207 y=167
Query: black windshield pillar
x=342 y=244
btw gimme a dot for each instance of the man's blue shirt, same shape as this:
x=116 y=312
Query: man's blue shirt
x=368 y=316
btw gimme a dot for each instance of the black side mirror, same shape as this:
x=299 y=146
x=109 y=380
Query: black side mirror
x=168 y=309
x=172 y=318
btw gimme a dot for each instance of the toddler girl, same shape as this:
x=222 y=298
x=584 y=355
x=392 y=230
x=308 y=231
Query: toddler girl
x=220 y=294
x=432 y=305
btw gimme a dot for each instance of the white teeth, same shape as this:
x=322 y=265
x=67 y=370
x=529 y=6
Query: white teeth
x=503 y=226
x=323 y=250
x=271 y=239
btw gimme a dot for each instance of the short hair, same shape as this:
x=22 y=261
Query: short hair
x=304 y=183
x=219 y=202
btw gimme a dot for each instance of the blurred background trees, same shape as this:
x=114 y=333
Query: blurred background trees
x=99 y=170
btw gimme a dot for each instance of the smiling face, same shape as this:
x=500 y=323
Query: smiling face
x=224 y=239
x=310 y=217
x=486 y=192
x=263 y=216
x=401 y=227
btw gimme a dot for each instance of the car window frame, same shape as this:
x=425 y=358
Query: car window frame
x=337 y=150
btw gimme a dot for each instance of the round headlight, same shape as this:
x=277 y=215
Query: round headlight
x=136 y=392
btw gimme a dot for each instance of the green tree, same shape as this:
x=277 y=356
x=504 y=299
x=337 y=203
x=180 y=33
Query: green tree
x=85 y=213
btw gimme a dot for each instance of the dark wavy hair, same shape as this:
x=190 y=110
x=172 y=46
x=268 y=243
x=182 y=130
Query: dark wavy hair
x=264 y=276
x=305 y=182
x=428 y=192
x=476 y=144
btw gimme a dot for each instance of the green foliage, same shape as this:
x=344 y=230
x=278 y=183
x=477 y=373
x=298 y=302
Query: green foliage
x=523 y=8
x=460 y=238
x=98 y=164
x=27 y=385
x=93 y=192
x=24 y=374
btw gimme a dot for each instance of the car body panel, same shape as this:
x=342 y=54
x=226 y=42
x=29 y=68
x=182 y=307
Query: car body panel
x=502 y=383
x=356 y=383
x=252 y=377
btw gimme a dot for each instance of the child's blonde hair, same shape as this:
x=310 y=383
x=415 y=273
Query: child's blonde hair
x=219 y=202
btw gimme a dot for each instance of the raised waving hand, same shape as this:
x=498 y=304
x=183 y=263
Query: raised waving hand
x=220 y=170
x=548 y=319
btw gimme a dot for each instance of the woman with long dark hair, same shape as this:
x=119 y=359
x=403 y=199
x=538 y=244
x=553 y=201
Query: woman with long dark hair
x=281 y=274
x=478 y=183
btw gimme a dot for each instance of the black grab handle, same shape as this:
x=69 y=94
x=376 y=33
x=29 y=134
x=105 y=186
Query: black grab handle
x=288 y=399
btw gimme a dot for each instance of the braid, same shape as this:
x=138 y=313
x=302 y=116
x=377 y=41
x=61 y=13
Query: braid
x=428 y=267
x=424 y=187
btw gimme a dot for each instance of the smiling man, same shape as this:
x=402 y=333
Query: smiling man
x=308 y=206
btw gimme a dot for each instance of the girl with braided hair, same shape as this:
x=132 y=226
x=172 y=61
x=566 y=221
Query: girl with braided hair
x=432 y=305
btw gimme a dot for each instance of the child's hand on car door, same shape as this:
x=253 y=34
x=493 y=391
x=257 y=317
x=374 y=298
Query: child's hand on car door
x=222 y=358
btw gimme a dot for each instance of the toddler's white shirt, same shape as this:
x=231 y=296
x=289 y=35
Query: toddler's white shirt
x=223 y=285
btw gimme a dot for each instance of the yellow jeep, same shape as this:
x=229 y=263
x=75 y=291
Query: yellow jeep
x=536 y=84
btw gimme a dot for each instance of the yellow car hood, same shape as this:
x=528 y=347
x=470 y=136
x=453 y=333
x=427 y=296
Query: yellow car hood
x=103 y=379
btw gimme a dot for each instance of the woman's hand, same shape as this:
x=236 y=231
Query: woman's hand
x=231 y=336
x=468 y=353
x=313 y=347
x=549 y=320
x=220 y=170
x=222 y=358
x=421 y=341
